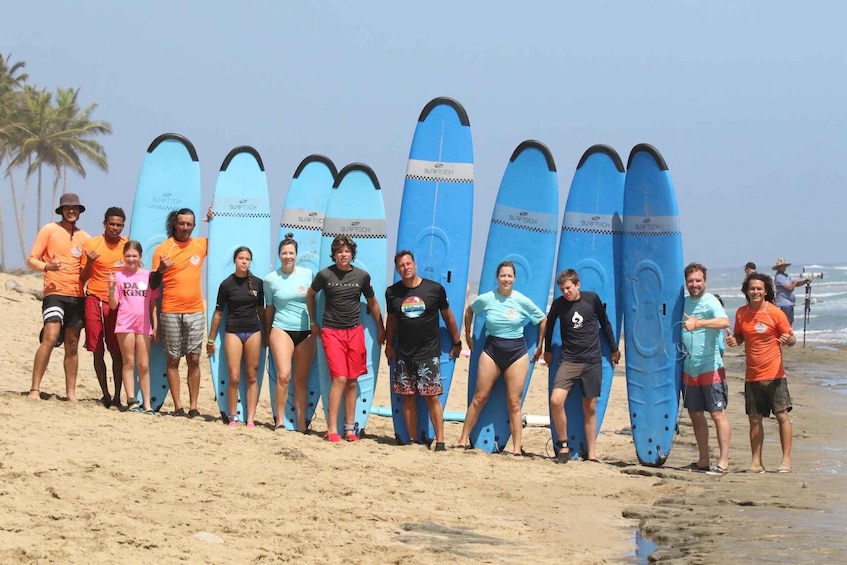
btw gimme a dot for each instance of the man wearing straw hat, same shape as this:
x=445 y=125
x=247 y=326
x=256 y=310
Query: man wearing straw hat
x=785 y=286
x=57 y=252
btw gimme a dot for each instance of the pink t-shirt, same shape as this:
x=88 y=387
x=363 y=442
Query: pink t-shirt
x=134 y=300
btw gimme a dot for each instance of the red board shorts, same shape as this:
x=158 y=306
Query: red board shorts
x=100 y=326
x=345 y=351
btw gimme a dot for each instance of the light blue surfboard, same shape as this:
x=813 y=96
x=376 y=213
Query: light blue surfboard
x=436 y=224
x=590 y=244
x=356 y=209
x=524 y=226
x=169 y=180
x=242 y=218
x=653 y=297
x=303 y=216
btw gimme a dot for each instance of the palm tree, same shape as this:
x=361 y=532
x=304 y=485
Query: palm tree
x=12 y=79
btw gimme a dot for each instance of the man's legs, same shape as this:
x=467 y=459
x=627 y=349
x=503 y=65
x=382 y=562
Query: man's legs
x=589 y=409
x=785 y=430
x=71 y=362
x=42 y=356
x=701 y=434
x=436 y=415
x=723 y=432
x=410 y=416
x=193 y=360
x=557 y=409
x=173 y=381
x=757 y=438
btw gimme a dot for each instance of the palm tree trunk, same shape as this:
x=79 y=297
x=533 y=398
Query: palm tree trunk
x=38 y=200
x=2 y=242
x=19 y=220
x=54 y=201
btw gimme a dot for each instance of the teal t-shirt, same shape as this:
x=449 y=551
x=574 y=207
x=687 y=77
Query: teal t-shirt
x=703 y=345
x=287 y=294
x=505 y=316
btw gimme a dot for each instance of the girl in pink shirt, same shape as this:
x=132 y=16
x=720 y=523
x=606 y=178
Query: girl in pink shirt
x=130 y=293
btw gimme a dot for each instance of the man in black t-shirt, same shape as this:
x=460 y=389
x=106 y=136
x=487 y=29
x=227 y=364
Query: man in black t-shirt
x=413 y=305
x=580 y=315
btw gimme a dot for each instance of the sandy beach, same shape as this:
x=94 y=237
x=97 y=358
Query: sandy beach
x=85 y=484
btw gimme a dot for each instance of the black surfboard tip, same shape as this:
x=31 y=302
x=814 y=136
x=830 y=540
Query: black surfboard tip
x=647 y=148
x=533 y=144
x=445 y=101
x=174 y=137
x=604 y=149
x=317 y=158
x=356 y=167
x=242 y=149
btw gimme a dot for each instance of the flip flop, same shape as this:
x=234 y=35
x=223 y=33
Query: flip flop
x=694 y=466
x=716 y=471
x=783 y=469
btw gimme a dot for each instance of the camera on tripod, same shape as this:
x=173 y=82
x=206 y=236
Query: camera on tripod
x=809 y=276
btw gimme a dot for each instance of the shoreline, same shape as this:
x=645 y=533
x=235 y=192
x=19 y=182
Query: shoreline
x=87 y=484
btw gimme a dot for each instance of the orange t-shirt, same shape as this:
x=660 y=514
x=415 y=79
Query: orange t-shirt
x=54 y=242
x=181 y=281
x=761 y=328
x=110 y=259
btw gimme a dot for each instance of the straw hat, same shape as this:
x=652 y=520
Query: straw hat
x=780 y=263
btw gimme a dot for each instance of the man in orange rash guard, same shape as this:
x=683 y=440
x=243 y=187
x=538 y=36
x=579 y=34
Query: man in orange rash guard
x=103 y=256
x=56 y=252
x=179 y=262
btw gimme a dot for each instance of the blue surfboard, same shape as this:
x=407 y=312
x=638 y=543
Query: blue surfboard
x=169 y=180
x=436 y=224
x=653 y=297
x=303 y=216
x=242 y=217
x=591 y=245
x=524 y=226
x=356 y=209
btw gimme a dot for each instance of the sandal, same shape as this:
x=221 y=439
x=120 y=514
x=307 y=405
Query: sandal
x=332 y=437
x=350 y=432
x=716 y=471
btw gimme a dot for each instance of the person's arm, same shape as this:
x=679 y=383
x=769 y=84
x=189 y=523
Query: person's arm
x=468 y=323
x=154 y=320
x=213 y=331
x=88 y=258
x=113 y=298
x=310 y=306
x=453 y=330
x=608 y=332
x=390 y=334
x=791 y=284
x=35 y=261
x=542 y=330
x=373 y=306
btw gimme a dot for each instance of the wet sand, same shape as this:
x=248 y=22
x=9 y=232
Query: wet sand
x=81 y=483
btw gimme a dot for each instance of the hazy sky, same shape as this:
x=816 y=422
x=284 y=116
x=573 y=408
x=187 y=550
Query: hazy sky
x=745 y=100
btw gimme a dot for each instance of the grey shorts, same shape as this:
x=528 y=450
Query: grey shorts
x=763 y=397
x=418 y=376
x=591 y=375
x=712 y=397
x=183 y=333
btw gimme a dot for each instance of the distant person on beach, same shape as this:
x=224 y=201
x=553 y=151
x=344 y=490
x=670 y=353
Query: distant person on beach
x=132 y=295
x=242 y=296
x=764 y=329
x=581 y=316
x=104 y=256
x=57 y=252
x=506 y=311
x=287 y=326
x=704 y=387
x=749 y=269
x=784 y=286
x=413 y=304
x=179 y=262
x=342 y=333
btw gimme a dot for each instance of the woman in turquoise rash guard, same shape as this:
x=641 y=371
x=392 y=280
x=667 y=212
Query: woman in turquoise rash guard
x=506 y=313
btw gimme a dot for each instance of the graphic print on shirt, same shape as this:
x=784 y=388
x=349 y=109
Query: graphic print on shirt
x=512 y=314
x=134 y=288
x=761 y=328
x=413 y=307
x=577 y=320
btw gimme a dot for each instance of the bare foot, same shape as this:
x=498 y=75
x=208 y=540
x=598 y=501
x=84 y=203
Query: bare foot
x=35 y=394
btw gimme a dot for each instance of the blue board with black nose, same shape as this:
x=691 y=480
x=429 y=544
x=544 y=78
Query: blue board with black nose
x=436 y=224
x=242 y=218
x=169 y=180
x=653 y=297
x=355 y=209
x=303 y=217
x=590 y=243
x=524 y=227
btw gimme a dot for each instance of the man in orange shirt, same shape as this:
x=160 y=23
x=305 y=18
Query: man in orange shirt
x=763 y=329
x=56 y=252
x=104 y=256
x=179 y=261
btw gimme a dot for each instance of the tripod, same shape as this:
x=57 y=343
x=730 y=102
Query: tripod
x=807 y=307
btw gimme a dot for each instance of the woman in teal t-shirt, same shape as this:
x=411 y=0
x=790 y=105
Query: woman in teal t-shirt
x=506 y=313
x=288 y=330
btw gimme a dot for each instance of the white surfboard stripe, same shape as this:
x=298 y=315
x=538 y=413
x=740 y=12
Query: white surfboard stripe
x=439 y=171
x=369 y=228
x=592 y=223
x=525 y=219
x=303 y=219
x=651 y=225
